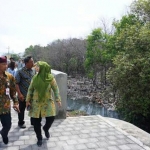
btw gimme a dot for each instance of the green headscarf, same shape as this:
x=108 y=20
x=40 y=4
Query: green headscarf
x=42 y=79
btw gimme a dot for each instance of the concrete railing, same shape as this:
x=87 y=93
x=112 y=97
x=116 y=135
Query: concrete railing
x=61 y=79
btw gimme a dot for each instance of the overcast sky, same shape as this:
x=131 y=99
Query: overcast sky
x=39 y=22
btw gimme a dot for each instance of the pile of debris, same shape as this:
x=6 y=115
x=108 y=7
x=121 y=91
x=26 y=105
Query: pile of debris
x=82 y=88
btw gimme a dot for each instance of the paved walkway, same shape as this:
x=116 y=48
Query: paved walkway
x=73 y=133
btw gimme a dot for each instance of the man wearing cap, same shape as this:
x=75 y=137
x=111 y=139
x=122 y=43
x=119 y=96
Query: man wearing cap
x=7 y=92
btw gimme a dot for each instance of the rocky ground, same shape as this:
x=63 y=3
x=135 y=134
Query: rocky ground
x=82 y=88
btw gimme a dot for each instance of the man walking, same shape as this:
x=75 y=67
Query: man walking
x=7 y=92
x=23 y=78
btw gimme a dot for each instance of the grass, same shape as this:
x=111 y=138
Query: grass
x=76 y=113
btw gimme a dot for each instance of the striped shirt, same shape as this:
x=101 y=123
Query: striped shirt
x=23 y=78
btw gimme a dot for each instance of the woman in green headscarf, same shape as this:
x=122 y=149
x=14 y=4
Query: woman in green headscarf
x=39 y=98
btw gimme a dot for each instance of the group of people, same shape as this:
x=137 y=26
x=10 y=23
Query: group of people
x=30 y=87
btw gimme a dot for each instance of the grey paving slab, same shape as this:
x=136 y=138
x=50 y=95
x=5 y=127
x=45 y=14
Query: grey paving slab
x=72 y=133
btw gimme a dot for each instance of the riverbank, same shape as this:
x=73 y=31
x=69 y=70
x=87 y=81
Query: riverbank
x=82 y=88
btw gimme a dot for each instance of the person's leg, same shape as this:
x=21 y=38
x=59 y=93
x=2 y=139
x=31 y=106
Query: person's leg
x=22 y=106
x=6 y=125
x=46 y=127
x=32 y=121
x=37 y=129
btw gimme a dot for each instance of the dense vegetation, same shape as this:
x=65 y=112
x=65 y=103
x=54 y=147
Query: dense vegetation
x=118 y=61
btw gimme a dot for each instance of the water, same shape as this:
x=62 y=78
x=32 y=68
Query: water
x=90 y=108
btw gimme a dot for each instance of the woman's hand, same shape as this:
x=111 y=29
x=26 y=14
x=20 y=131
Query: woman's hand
x=59 y=104
x=28 y=104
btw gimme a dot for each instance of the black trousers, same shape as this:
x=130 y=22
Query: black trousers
x=6 y=124
x=37 y=125
x=22 y=107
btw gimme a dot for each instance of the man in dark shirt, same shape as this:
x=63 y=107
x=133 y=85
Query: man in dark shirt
x=23 y=78
x=7 y=92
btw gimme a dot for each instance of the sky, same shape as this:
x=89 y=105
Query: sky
x=40 y=22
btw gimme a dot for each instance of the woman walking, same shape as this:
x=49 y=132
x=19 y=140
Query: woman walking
x=39 y=99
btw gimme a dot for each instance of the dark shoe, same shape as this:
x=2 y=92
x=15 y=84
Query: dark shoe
x=22 y=126
x=46 y=134
x=5 y=140
x=39 y=143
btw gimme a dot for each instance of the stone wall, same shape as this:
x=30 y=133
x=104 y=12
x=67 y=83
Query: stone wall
x=61 y=79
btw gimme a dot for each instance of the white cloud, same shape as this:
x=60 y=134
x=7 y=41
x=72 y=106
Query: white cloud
x=62 y=32
x=15 y=44
x=24 y=23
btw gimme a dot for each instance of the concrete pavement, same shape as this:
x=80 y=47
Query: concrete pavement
x=72 y=133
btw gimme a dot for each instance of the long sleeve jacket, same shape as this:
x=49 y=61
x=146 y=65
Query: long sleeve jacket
x=7 y=92
x=47 y=107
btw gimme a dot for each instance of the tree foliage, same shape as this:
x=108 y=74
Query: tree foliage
x=65 y=55
x=96 y=54
x=130 y=75
x=141 y=9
